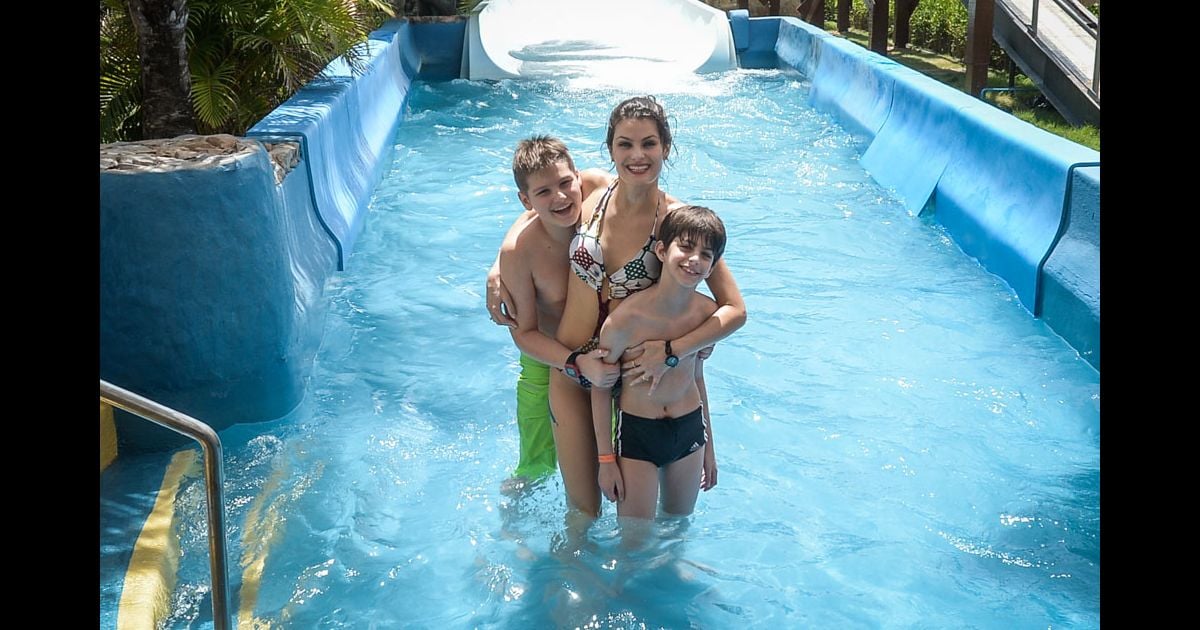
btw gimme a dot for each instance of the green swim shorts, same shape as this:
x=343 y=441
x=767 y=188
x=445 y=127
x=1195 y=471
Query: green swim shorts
x=538 y=457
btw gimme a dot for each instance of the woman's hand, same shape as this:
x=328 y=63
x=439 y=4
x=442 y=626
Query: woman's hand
x=611 y=483
x=499 y=301
x=594 y=368
x=646 y=362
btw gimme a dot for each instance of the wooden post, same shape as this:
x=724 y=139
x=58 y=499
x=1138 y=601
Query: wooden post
x=744 y=4
x=773 y=7
x=879 y=25
x=813 y=12
x=980 y=14
x=843 y=16
x=904 y=11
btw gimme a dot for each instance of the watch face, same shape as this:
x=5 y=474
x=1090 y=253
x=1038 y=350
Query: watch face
x=672 y=361
x=571 y=371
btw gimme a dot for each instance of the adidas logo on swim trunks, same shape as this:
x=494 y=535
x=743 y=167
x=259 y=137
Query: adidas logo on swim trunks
x=695 y=445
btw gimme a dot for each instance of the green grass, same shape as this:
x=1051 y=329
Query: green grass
x=952 y=72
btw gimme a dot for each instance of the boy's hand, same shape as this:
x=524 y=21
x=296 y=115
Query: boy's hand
x=611 y=483
x=499 y=301
x=596 y=370
x=709 y=478
x=645 y=363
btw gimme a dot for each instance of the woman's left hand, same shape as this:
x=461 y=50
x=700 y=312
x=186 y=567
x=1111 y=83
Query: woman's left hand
x=646 y=362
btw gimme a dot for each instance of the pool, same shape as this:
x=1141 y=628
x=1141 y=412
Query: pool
x=900 y=443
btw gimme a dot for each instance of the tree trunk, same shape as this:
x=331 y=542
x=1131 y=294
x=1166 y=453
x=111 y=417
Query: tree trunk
x=166 y=82
x=980 y=19
x=438 y=7
x=878 y=10
x=813 y=12
x=904 y=11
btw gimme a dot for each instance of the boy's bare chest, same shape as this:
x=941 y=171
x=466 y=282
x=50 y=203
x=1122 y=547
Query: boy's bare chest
x=549 y=267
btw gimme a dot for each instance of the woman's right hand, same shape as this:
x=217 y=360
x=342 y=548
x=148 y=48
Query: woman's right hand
x=594 y=368
x=611 y=483
x=499 y=301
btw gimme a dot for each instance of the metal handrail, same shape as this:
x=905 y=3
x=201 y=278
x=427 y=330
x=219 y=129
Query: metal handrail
x=213 y=479
x=1084 y=18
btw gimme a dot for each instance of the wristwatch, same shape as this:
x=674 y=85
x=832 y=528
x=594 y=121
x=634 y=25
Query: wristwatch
x=671 y=359
x=569 y=368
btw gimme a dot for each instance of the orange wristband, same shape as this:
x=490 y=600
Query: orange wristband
x=607 y=459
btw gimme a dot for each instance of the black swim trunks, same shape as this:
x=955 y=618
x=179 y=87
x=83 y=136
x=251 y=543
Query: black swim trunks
x=660 y=441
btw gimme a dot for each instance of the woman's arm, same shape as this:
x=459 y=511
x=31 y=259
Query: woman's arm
x=612 y=484
x=730 y=315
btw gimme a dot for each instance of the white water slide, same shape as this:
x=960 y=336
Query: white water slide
x=531 y=38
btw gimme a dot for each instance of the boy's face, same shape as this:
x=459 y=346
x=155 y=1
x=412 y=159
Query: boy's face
x=555 y=193
x=689 y=262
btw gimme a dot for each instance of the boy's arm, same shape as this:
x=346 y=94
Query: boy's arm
x=528 y=335
x=592 y=179
x=613 y=339
x=709 y=478
x=650 y=356
x=496 y=295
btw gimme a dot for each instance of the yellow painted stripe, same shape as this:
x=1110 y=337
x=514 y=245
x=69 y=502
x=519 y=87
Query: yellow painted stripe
x=257 y=535
x=108 y=436
x=264 y=527
x=153 y=569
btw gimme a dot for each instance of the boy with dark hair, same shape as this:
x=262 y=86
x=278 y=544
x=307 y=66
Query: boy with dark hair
x=663 y=430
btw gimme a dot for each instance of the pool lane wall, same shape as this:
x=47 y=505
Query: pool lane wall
x=212 y=278
x=997 y=183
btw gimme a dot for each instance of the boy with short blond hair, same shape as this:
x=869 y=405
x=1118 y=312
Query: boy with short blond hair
x=533 y=266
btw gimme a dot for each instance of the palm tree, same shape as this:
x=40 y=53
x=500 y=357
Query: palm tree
x=160 y=25
x=243 y=58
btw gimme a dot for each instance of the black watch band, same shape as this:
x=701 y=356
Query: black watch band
x=570 y=368
x=671 y=359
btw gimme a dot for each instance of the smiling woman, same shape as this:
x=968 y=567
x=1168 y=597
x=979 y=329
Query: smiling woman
x=623 y=222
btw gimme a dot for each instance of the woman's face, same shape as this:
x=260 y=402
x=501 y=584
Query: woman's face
x=637 y=150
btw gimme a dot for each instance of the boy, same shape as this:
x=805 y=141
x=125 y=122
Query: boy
x=533 y=266
x=664 y=428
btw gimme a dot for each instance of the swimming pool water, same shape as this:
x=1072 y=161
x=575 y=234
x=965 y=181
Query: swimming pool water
x=899 y=442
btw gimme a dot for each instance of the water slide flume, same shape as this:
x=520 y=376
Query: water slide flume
x=576 y=37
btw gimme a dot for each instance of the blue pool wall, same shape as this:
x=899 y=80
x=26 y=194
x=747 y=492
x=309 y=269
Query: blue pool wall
x=212 y=279
x=997 y=184
x=210 y=291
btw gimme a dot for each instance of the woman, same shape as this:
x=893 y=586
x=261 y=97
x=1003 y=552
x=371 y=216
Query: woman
x=619 y=224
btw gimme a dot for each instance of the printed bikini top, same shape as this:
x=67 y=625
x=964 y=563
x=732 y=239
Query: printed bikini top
x=587 y=257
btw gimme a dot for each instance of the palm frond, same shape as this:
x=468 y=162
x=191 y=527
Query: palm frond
x=214 y=93
x=467 y=7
